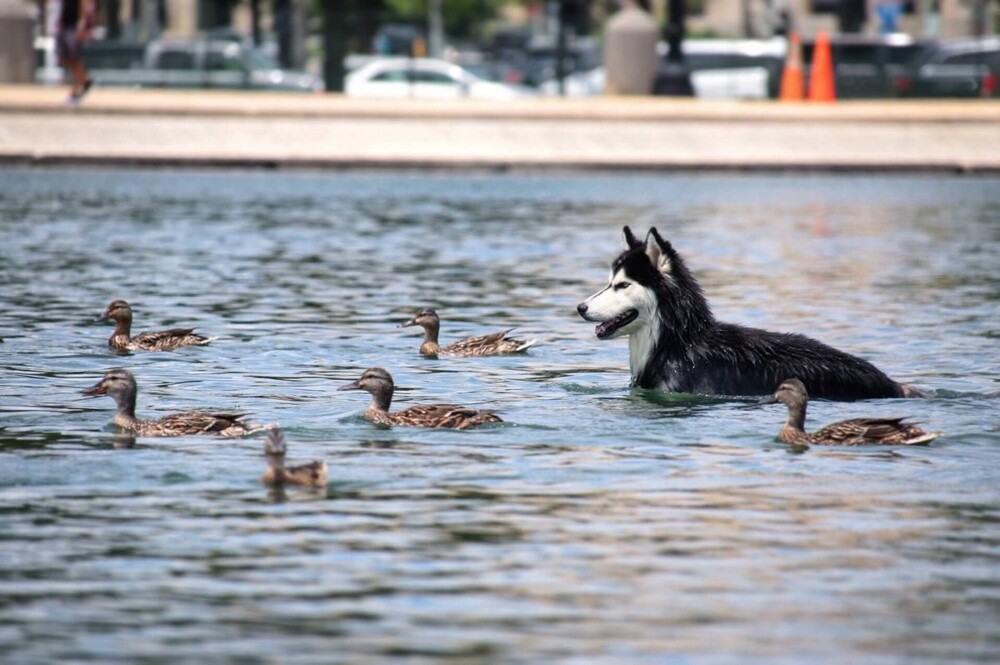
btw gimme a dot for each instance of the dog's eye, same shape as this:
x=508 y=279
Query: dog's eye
x=621 y=285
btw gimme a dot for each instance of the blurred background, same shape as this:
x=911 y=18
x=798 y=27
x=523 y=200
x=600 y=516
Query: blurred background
x=499 y=49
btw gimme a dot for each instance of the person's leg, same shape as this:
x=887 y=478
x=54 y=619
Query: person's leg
x=78 y=73
x=86 y=81
x=65 y=46
x=70 y=58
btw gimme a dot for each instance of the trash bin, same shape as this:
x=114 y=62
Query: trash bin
x=630 y=60
x=17 y=55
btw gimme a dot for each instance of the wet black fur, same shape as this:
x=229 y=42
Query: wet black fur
x=697 y=354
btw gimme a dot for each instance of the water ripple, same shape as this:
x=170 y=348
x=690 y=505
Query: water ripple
x=599 y=524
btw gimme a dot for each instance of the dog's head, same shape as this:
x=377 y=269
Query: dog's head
x=649 y=281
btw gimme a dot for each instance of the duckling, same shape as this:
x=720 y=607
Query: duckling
x=120 y=384
x=378 y=382
x=161 y=340
x=887 y=431
x=493 y=344
x=312 y=474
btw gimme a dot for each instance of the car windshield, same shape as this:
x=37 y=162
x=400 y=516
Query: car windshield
x=424 y=76
x=414 y=72
x=986 y=53
x=904 y=55
x=974 y=58
x=227 y=59
x=176 y=59
x=391 y=75
x=261 y=59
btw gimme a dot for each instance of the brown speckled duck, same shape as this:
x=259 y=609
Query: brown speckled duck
x=311 y=474
x=120 y=384
x=493 y=344
x=379 y=383
x=886 y=431
x=161 y=340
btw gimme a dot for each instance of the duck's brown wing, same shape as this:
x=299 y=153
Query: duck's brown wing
x=226 y=423
x=311 y=474
x=443 y=415
x=478 y=341
x=154 y=337
x=165 y=340
x=871 y=430
x=491 y=344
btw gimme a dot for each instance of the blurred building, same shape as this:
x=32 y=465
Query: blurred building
x=140 y=19
x=765 y=18
x=148 y=19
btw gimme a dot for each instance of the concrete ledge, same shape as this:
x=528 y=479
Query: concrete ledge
x=212 y=129
x=349 y=164
x=39 y=99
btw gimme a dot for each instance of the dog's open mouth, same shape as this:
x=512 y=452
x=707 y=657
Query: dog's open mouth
x=611 y=326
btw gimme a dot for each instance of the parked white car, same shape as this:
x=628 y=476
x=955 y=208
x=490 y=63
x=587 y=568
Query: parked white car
x=423 y=78
x=720 y=69
x=741 y=83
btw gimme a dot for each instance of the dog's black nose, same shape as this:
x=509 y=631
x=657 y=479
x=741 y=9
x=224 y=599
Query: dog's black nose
x=582 y=308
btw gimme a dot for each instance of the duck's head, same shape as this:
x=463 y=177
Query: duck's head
x=791 y=393
x=274 y=446
x=119 y=383
x=375 y=381
x=118 y=310
x=425 y=318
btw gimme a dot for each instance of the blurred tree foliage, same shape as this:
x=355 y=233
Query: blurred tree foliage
x=463 y=19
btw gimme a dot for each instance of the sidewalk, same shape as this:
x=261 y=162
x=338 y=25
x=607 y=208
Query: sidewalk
x=259 y=129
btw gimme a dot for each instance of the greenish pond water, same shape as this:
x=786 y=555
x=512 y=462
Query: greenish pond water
x=600 y=524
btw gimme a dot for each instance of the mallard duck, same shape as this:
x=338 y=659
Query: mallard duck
x=888 y=431
x=493 y=344
x=378 y=382
x=120 y=384
x=161 y=340
x=312 y=474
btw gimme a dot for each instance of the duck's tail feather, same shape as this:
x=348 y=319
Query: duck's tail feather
x=924 y=438
x=524 y=345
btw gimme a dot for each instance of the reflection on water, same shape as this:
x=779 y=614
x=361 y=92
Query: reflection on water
x=598 y=525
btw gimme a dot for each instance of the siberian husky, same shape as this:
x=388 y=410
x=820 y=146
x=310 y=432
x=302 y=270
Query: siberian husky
x=676 y=344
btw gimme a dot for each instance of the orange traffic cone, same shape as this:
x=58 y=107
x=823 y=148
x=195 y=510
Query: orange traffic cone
x=821 y=86
x=792 y=86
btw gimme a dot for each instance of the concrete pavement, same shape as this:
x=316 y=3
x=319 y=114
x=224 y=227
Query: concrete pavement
x=259 y=129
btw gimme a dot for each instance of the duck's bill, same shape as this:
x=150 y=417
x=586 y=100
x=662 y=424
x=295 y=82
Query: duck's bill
x=770 y=399
x=408 y=323
x=353 y=385
x=95 y=390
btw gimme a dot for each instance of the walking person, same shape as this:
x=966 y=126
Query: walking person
x=76 y=20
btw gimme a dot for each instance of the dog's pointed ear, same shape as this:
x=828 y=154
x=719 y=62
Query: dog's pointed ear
x=630 y=239
x=658 y=250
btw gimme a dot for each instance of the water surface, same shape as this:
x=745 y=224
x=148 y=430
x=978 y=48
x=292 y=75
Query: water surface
x=600 y=524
